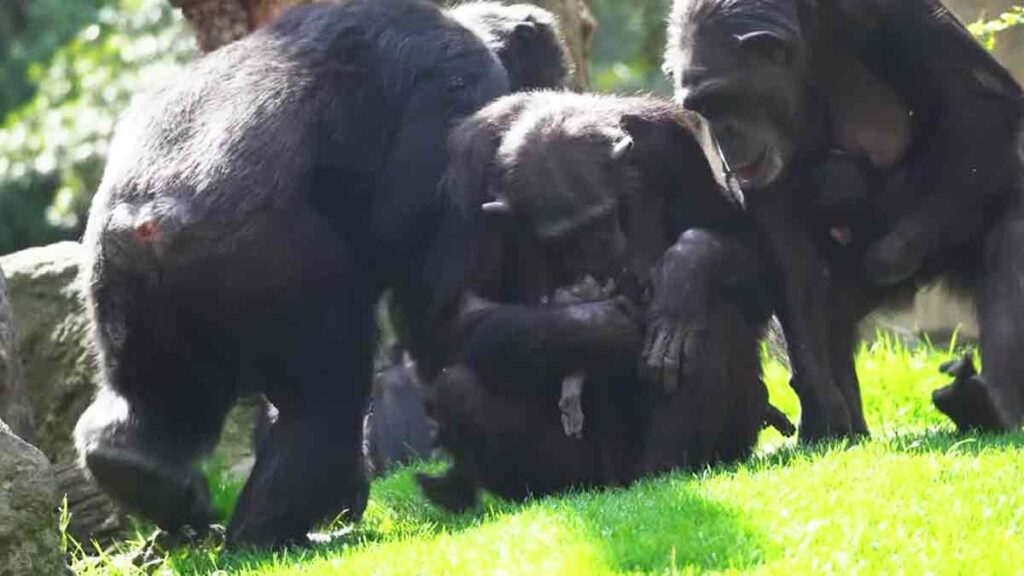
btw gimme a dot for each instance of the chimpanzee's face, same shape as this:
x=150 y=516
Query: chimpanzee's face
x=748 y=88
x=596 y=248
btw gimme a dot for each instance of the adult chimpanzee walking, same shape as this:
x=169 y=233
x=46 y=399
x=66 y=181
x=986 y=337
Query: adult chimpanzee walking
x=902 y=86
x=543 y=392
x=248 y=219
x=527 y=41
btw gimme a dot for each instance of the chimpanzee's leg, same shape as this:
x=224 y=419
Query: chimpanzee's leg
x=844 y=338
x=456 y=402
x=144 y=454
x=514 y=446
x=994 y=400
x=805 y=285
x=315 y=341
x=308 y=468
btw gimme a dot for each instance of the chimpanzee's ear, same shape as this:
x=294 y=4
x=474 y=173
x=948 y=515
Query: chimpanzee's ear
x=768 y=45
x=635 y=125
x=499 y=206
x=649 y=135
x=526 y=29
x=622 y=147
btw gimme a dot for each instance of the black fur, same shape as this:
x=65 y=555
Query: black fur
x=526 y=39
x=498 y=406
x=902 y=84
x=249 y=218
x=397 y=428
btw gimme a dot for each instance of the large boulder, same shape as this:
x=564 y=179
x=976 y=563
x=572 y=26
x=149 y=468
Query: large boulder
x=14 y=406
x=53 y=340
x=29 y=542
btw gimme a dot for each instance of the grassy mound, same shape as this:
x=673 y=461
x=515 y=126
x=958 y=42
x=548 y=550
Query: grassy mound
x=915 y=499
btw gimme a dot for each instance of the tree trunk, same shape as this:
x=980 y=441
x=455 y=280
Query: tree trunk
x=218 y=22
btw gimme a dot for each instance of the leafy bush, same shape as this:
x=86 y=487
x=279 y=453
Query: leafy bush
x=30 y=31
x=53 y=148
x=986 y=30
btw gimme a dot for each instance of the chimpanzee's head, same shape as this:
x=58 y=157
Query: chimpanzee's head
x=740 y=65
x=525 y=38
x=563 y=177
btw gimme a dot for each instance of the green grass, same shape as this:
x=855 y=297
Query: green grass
x=916 y=499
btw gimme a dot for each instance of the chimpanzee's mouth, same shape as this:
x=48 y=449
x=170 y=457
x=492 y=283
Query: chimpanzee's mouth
x=747 y=172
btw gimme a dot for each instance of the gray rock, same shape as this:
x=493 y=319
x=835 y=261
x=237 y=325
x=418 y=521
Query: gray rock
x=14 y=405
x=937 y=312
x=53 y=341
x=29 y=541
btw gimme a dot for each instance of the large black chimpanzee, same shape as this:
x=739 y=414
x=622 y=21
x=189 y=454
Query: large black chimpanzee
x=249 y=217
x=582 y=186
x=527 y=41
x=788 y=86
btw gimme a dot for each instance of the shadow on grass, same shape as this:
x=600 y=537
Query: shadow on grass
x=667 y=524
x=657 y=525
x=916 y=442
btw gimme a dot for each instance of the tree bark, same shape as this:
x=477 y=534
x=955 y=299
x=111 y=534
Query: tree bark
x=219 y=22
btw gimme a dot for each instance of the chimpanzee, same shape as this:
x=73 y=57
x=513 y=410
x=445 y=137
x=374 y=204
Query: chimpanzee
x=528 y=43
x=582 y=186
x=901 y=84
x=248 y=219
x=397 y=429
x=525 y=38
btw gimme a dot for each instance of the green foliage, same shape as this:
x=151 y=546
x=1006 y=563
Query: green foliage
x=52 y=149
x=30 y=30
x=986 y=30
x=628 y=46
x=915 y=499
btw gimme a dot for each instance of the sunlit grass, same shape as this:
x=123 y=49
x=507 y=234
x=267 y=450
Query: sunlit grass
x=915 y=499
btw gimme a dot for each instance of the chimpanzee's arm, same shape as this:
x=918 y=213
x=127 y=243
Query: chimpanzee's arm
x=804 y=288
x=967 y=108
x=702 y=267
x=537 y=342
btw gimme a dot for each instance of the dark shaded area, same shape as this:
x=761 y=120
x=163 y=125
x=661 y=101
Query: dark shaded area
x=219 y=277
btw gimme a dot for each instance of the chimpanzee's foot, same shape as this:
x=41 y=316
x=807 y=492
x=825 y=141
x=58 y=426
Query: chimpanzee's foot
x=777 y=419
x=450 y=492
x=824 y=414
x=967 y=401
x=161 y=542
x=170 y=496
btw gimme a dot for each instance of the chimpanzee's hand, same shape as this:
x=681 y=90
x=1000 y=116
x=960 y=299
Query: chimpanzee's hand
x=967 y=400
x=671 y=348
x=677 y=317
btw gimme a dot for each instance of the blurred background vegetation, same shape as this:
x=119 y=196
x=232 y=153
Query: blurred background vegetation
x=68 y=67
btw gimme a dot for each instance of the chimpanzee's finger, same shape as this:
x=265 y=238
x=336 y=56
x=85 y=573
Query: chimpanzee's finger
x=671 y=360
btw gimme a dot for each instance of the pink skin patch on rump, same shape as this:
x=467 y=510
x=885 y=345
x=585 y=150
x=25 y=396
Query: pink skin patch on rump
x=147 y=232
